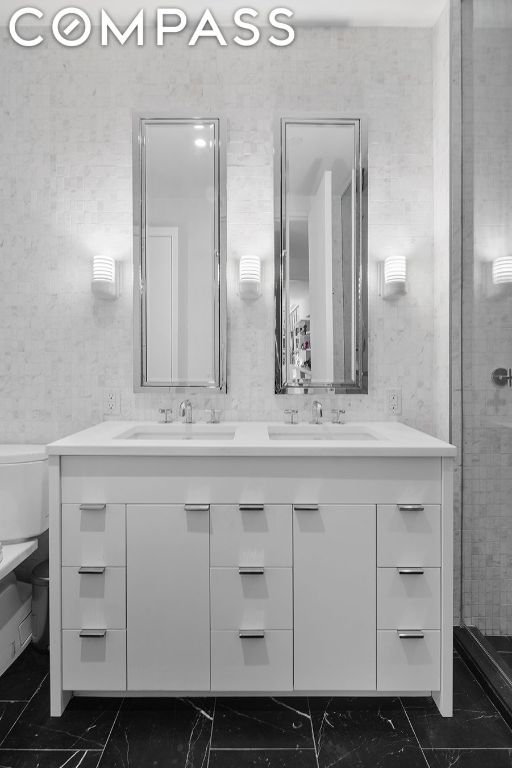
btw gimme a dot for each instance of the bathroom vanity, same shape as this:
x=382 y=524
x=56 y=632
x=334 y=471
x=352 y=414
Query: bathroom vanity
x=251 y=558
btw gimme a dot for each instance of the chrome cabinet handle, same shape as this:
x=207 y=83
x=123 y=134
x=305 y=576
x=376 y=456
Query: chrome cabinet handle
x=197 y=507
x=93 y=507
x=410 y=634
x=245 y=634
x=85 y=569
x=96 y=633
x=251 y=507
x=306 y=507
x=243 y=570
x=411 y=507
x=411 y=571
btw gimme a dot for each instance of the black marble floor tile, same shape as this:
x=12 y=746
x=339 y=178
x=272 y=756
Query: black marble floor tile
x=9 y=713
x=475 y=721
x=356 y=733
x=469 y=758
x=160 y=733
x=23 y=678
x=85 y=724
x=49 y=759
x=506 y=656
x=262 y=723
x=250 y=758
x=500 y=642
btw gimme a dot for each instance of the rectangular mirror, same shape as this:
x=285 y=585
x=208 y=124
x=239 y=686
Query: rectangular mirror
x=321 y=256
x=179 y=252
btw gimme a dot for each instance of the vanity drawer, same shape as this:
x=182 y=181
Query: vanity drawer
x=94 y=663
x=252 y=663
x=93 y=534
x=408 y=664
x=93 y=599
x=408 y=597
x=244 y=535
x=409 y=535
x=240 y=600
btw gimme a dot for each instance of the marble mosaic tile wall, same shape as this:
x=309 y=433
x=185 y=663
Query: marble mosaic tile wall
x=487 y=317
x=65 y=193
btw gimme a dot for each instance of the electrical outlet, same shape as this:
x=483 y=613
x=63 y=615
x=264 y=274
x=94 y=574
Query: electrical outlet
x=111 y=402
x=395 y=402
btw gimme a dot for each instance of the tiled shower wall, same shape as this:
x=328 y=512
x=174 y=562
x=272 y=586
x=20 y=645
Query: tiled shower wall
x=65 y=194
x=487 y=316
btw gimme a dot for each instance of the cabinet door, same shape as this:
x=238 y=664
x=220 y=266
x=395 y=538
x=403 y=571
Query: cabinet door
x=335 y=598
x=168 y=605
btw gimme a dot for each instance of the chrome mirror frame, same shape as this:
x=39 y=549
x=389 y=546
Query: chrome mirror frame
x=140 y=383
x=359 y=384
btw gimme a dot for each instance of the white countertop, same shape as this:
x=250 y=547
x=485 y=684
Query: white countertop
x=251 y=439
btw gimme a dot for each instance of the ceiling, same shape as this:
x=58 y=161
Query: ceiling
x=389 y=13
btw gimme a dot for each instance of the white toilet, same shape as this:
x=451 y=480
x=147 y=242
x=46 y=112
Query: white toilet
x=23 y=517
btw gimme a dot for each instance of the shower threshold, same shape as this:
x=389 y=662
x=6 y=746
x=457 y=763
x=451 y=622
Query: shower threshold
x=491 y=670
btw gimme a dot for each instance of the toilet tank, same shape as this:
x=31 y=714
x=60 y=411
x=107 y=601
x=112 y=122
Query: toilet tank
x=23 y=492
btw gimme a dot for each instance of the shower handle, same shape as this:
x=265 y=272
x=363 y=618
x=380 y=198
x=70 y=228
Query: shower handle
x=501 y=377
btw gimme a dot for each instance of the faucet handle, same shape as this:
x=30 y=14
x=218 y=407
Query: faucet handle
x=165 y=415
x=337 y=414
x=291 y=416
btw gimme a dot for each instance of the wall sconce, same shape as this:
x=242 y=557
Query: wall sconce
x=392 y=277
x=105 y=277
x=502 y=270
x=249 y=277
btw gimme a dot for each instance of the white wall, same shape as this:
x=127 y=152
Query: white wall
x=65 y=193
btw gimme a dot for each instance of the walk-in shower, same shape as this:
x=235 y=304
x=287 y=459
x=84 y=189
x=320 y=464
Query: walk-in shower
x=484 y=420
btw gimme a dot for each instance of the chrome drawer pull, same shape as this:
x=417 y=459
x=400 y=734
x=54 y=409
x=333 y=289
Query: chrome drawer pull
x=197 y=507
x=411 y=571
x=96 y=633
x=251 y=570
x=93 y=507
x=244 y=634
x=411 y=507
x=91 y=570
x=410 y=634
x=306 y=507
x=251 y=507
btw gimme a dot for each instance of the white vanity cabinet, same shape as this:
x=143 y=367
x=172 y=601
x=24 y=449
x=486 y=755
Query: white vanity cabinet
x=239 y=574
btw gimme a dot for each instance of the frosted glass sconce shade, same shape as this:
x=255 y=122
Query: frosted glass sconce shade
x=502 y=270
x=392 y=277
x=395 y=269
x=249 y=278
x=105 y=277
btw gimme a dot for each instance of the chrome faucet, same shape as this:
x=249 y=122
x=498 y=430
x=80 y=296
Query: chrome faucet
x=316 y=412
x=186 y=411
x=337 y=416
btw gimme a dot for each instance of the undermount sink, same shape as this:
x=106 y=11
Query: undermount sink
x=178 y=432
x=305 y=432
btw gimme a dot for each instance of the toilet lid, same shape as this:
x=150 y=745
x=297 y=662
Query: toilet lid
x=14 y=454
